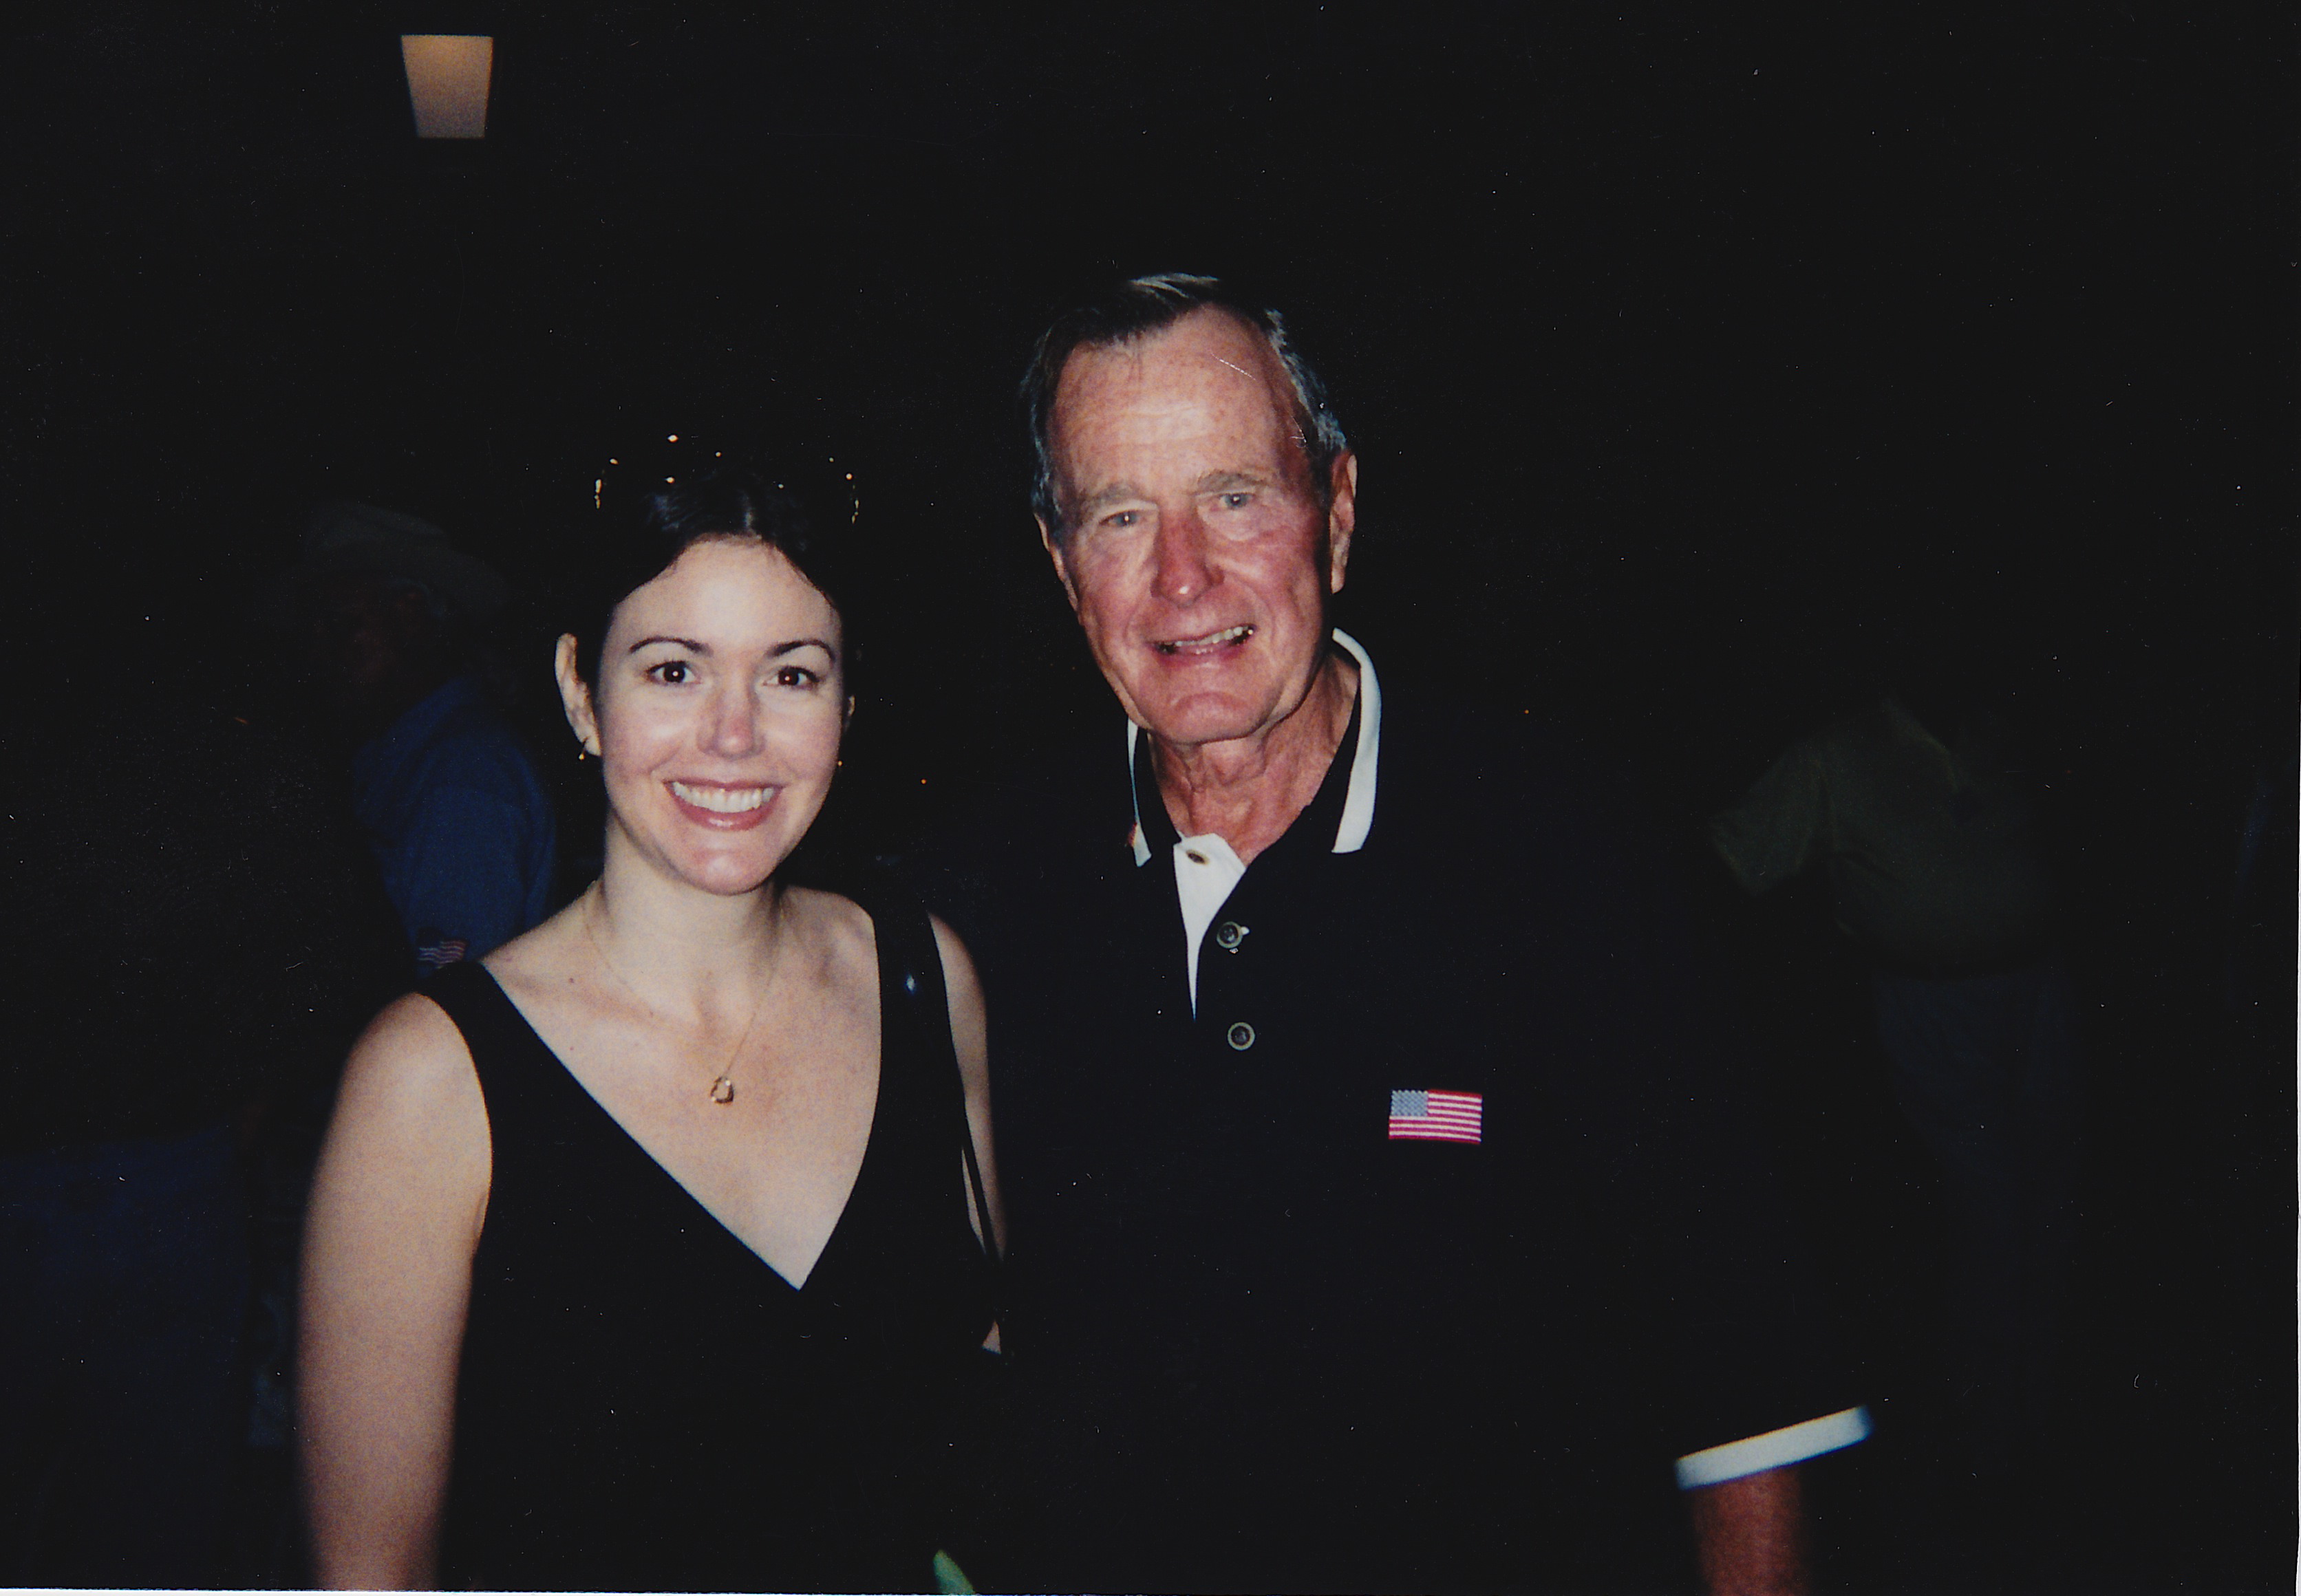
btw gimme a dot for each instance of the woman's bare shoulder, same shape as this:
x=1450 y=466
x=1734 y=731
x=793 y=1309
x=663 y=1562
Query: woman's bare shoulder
x=408 y=1149
x=410 y=1077
x=969 y=1024
x=957 y=963
x=958 y=976
x=412 y=1038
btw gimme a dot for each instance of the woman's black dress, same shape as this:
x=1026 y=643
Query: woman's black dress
x=644 y=1404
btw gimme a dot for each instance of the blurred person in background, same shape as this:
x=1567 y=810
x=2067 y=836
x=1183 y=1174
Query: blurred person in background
x=190 y=930
x=458 y=820
x=1926 y=810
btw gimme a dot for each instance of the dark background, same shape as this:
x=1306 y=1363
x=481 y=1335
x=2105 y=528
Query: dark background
x=1695 y=365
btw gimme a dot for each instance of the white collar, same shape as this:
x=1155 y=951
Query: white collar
x=1358 y=800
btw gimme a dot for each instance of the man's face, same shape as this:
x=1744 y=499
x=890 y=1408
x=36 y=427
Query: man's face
x=1198 y=559
x=360 y=633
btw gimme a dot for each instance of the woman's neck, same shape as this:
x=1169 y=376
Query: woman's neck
x=683 y=950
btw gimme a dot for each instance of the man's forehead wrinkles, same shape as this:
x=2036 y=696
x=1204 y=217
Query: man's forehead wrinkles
x=1206 y=481
x=1096 y=364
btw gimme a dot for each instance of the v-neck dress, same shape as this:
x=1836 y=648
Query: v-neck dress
x=644 y=1404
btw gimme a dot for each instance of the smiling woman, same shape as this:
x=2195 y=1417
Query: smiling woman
x=716 y=709
x=643 y=1251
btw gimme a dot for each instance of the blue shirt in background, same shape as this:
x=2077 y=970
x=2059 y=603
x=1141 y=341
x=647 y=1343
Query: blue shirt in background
x=460 y=824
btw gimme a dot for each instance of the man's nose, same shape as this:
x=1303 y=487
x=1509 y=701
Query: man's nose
x=732 y=727
x=1183 y=572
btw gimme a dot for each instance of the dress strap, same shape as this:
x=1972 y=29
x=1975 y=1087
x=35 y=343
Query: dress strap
x=493 y=1030
x=910 y=968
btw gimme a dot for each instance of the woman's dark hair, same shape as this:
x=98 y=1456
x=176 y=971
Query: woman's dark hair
x=652 y=504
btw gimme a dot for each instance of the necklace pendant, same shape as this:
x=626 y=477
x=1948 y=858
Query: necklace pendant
x=722 y=1091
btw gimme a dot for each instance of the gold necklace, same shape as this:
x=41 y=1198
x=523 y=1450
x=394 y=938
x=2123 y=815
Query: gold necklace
x=723 y=1089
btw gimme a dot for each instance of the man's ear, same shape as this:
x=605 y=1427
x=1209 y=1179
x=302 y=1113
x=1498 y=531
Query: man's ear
x=575 y=697
x=1342 y=518
x=1054 y=548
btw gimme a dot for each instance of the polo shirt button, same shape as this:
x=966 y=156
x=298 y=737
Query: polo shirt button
x=1242 y=1036
x=1228 y=935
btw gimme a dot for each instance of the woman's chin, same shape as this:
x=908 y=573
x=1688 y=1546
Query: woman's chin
x=722 y=863
x=730 y=878
x=723 y=873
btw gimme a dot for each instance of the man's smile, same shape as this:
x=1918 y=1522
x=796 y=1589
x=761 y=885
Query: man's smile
x=1206 y=644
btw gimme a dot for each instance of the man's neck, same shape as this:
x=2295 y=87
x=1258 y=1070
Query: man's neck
x=1249 y=792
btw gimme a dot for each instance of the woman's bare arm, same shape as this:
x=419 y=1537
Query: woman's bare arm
x=969 y=1035
x=394 y=1216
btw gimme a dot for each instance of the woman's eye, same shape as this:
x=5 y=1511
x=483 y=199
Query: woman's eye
x=671 y=673
x=796 y=676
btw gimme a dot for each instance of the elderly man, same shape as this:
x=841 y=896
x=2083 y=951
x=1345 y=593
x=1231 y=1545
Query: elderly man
x=1381 y=1215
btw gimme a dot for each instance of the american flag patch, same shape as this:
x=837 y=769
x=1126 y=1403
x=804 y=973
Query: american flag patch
x=440 y=955
x=1437 y=1116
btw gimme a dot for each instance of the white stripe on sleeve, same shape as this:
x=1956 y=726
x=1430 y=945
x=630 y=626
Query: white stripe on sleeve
x=1773 y=1450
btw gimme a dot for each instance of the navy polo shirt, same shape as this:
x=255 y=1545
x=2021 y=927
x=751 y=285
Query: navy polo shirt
x=1269 y=1332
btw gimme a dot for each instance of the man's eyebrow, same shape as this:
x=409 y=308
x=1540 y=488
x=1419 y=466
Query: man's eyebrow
x=1112 y=495
x=1215 y=481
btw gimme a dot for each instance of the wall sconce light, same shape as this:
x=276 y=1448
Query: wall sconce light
x=447 y=82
